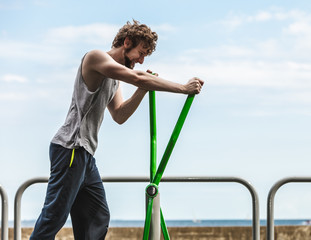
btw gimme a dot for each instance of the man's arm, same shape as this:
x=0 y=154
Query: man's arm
x=105 y=65
x=121 y=110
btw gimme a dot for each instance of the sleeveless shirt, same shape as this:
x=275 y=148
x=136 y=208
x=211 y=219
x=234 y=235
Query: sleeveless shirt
x=85 y=115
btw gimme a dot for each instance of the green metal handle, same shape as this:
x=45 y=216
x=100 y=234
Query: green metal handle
x=156 y=175
x=168 y=151
x=166 y=236
x=153 y=135
x=148 y=219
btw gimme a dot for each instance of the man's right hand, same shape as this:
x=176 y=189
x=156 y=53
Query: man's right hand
x=194 y=86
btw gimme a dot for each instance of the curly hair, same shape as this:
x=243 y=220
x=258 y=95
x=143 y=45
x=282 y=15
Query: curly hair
x=136 y=32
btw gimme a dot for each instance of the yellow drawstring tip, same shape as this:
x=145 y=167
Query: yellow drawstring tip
x=72 y=157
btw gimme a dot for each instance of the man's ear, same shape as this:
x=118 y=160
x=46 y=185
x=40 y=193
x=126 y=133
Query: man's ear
x=127 y=43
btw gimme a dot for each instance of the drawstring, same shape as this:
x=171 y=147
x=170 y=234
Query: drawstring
x=72 y=157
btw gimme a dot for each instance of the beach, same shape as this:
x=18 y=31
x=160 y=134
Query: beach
x=191 y=233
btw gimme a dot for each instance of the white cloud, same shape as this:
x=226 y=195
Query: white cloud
x=58 y=45
x=13 y=96
x=265 y=63
x=96 y=33
x=262 y=74
x=278 y=62
x=35 y=51
x=261 y=16
x=165 y=27
x=301 y=31
x=279 y=82
x=13 y=78
x=234 y=20
x=299 y=28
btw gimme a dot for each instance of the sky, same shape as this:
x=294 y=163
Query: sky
x=251 y=120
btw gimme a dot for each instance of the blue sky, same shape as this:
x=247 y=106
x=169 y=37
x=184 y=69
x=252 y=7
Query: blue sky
x=252 y=119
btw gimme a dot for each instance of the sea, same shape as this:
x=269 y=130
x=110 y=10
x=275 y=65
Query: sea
x=190 y=223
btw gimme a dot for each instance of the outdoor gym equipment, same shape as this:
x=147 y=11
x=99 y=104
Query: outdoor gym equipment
x=153 y=210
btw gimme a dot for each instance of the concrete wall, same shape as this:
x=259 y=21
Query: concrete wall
x=193 y=233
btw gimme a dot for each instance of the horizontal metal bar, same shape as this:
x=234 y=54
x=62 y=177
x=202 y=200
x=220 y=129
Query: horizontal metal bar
x=255 y=201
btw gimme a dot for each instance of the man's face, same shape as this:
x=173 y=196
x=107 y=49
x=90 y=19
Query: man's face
x=135 y=55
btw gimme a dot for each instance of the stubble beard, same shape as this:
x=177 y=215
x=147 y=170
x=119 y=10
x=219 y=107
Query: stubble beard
x=127 y=61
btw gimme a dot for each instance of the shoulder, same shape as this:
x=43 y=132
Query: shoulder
x=95 y=60
x=97 y=55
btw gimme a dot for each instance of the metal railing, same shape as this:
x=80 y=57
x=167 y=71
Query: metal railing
x=4 y=214
x=255 y=201
x=270 y=201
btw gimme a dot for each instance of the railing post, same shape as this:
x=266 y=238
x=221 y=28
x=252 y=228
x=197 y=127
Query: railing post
x=17 y=204
x=4 y=214
x=270 y=201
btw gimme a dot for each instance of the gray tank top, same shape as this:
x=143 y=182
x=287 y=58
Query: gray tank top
x=85 y=114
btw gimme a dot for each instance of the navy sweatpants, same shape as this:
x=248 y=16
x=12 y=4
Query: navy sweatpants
x=75 y=189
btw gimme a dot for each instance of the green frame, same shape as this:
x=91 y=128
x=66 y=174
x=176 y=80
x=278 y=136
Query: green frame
x=156 y=173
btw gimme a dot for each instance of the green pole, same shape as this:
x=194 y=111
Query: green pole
x=164 y=228
x=153 y=135
x=148 y=219
x=156 y=175
x=169 y=148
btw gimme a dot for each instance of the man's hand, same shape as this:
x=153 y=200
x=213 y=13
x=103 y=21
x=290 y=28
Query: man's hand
x=155 y=74
x=194 y=86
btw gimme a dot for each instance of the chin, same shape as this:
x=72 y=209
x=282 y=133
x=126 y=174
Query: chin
x=129 y=66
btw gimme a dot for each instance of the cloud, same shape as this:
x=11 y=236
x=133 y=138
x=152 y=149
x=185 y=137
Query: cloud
x=234 y=21
x=262 y=63
x=96 y=33
x=280 y=61
x=243 y=73
x=301 y=30
x=261 y=16
x=13 y=78
x=13 y=96
x=39 y=52
x=165 y=27
x=280 y=75
x=57 y=46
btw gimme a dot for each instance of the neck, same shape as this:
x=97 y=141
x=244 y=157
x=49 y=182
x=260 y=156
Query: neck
x=117 y=54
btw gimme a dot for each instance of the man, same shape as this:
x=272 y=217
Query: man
x=75 y=185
